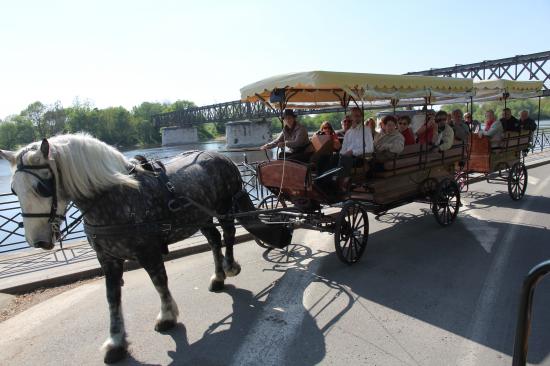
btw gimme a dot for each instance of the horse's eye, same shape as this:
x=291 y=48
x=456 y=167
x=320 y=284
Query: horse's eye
x=44 y=189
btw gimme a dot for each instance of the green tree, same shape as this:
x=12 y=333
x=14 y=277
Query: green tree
x=8 y=135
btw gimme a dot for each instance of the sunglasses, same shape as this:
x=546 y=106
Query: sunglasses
x=441 y=120
x=403 y=123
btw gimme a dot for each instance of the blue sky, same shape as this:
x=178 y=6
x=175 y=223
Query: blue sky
x=125 y=52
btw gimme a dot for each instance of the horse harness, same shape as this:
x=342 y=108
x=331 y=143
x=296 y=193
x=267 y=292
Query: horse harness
x=45 y=188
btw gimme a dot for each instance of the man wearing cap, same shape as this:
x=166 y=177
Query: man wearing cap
x=293 y=136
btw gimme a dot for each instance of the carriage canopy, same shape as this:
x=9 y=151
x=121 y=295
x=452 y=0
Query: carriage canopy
x=318 y=89
x=497 y=89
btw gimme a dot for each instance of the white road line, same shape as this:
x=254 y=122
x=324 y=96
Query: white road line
x=282 y=315
x=482 y=318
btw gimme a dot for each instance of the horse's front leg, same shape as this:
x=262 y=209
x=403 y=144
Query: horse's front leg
x=230 y=265
x=154 y=265
x=115 y=347
x=214 y=239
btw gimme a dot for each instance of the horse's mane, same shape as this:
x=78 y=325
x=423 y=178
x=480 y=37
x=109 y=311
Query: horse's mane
x=87 y=166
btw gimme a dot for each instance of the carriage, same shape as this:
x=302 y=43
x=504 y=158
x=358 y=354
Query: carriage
x=503 y=161
x=298 y=199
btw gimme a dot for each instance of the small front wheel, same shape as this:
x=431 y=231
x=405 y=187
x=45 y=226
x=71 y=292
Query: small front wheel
x=446 y=202
x=517 y=181
x=351 y=232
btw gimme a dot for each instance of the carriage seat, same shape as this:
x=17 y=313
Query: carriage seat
x=416 y=157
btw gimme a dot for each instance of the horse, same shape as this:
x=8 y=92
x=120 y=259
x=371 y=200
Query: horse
x=130 y=213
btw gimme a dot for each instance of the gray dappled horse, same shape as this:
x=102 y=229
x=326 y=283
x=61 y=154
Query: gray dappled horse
x=126 y=212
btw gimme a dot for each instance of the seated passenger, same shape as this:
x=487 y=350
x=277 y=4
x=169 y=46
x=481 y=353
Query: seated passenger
x=404 y=123
x=392 y=141
x=494 y=133
x=525 y=122
x=445 y=134
x=327 y=130
x=371 y=124
x=509 y=122
x=473 y=125
x=294 y=136
x=489 y=119
x=355 y=140
x=460 y=129
x=346 y=124
x=426 y=132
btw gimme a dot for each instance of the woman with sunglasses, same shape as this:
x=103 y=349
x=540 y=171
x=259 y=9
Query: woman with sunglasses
x=403 y=124
x=327 y=130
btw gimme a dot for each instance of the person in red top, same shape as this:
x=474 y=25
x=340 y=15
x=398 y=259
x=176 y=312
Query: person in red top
x=403 y=125
x=489 y=119
x=426 y=132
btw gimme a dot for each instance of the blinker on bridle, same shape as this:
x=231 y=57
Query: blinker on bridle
x=45 y=188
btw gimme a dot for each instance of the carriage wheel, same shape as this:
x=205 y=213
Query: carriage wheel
x=461 y=178
x=428 y=187
x=446 y=201
x=268 y=203
x=517 y=181
x=351 y=234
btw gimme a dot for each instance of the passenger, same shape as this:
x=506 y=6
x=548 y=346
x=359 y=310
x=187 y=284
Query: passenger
x=494 y=133
x=294 y=136
x=489 y=119
x=445 y=134
x=392 y=141
x=460 y=129
x=371 y=124
x=351 y=153
x=509 y=122
x=473 y=125
x=327 y=130
x=426 y=132
x=525 y=122
x=346 y=124
x=404 y=123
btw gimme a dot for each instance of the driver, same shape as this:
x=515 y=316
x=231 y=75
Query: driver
x=294 y=136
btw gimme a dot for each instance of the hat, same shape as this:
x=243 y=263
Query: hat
x=289 y=112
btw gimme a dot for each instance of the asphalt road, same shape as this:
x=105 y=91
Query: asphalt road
x=422 y=295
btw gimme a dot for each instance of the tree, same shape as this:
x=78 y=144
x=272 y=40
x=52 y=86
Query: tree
x=8 y=135
x=35 y=112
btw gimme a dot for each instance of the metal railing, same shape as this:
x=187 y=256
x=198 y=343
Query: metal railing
x=523 y=326
x=12 y=236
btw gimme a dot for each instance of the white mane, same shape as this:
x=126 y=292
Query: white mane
x=87 y=165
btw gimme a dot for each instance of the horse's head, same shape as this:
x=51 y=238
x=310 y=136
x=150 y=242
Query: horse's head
x=36 y=182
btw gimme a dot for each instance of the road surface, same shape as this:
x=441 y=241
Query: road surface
x=422 y=295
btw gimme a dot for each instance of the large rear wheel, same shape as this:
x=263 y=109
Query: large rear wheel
x=268 y=203
x=517 y=181
x=446 y=202
x=351 y=232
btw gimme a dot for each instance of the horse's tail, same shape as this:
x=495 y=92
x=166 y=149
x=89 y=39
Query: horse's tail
x=274 y=235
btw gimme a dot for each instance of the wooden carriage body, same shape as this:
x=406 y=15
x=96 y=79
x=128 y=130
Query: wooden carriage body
x=484 y=158
x=407 y=176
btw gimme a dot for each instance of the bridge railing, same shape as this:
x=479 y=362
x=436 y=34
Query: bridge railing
x=12 y=236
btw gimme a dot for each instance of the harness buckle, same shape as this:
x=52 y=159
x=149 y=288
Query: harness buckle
x=166 y=227
x=170 y=187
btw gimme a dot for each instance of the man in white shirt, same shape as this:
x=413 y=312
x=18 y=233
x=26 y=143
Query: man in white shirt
x=357 y=142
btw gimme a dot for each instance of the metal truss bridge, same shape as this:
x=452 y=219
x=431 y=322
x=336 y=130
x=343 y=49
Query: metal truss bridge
x=521 y=67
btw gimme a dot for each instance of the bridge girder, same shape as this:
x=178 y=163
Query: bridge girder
x=534 y=66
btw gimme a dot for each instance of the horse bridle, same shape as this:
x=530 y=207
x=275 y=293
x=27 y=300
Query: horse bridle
x=45 y=188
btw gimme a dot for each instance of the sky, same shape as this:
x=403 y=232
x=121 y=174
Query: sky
x=122 y=53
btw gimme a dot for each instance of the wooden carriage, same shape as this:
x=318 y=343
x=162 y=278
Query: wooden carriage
x=504 y=160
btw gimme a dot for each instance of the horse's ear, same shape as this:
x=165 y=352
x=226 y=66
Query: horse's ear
x=8 y=155
x=45 y=148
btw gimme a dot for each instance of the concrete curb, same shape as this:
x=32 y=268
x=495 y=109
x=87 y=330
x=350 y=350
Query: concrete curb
x=178 y=253
x=96 y=272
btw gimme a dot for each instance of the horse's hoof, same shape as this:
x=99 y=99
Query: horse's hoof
x=233 y=271
x=164 y=325
x=115 y=354
x=215 y=286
